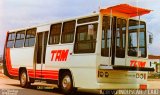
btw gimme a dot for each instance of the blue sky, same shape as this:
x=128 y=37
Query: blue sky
x=21 y=13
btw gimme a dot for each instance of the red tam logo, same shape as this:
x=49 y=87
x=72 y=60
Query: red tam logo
x=59 y=55
x=136 y=63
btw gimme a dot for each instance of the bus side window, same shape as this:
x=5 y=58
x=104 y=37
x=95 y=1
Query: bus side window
x=85 y=43
x=30 y=37
x=55 y=32
x=10 y=40
x=68 y=32
x=20 y=35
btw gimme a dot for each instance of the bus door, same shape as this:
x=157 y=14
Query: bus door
x=119 y=31
x=113 y=40
x=106 y=40
x=41 y=53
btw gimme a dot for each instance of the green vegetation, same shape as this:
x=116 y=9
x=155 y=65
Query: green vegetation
x=154 y=76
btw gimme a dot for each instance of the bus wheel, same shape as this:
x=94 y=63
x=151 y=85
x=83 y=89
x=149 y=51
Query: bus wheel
x=24 y=79
x=66 y=83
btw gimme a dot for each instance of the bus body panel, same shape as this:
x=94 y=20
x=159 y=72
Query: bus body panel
x=19 y=57
x=75 y=63
x=56 y=59
x=121 y=79
x=12 y=72
x=120 y=61
x=85 y=77
x=43 y=28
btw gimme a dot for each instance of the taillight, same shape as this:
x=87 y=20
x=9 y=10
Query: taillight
x=143 y=86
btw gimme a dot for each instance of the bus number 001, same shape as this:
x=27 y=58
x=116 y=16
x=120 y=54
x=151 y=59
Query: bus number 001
x=140 y=75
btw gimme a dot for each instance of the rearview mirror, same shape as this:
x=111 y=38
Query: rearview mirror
x=150 y=38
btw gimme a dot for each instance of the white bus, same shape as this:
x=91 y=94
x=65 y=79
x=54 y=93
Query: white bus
x=105 y=51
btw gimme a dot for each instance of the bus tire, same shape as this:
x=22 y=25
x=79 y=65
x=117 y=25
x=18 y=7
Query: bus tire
x=24 y=79
x=66 y=84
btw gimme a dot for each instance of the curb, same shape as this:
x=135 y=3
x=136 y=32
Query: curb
x=2 y=75
x=153 y=80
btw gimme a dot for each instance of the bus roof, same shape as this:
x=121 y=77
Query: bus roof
x=125 y=10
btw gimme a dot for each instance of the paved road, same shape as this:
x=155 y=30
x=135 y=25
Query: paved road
x=12 y=86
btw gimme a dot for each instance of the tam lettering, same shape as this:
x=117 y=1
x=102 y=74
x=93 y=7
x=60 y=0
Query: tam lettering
x=59 y=55
x=136 y=63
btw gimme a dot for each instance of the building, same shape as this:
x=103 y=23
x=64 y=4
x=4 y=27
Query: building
x=154 y=62
x=1 y=60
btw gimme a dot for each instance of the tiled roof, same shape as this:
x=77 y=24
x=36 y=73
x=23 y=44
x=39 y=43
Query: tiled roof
x=153 y=57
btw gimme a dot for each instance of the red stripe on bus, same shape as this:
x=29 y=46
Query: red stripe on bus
x=11 y=71
x=47 y=74
x=51 y=77
x=46 y=71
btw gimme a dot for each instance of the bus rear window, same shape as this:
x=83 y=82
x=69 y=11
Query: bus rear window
x=133 y=36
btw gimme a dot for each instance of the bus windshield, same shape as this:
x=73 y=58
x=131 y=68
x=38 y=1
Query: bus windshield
x=137 y=40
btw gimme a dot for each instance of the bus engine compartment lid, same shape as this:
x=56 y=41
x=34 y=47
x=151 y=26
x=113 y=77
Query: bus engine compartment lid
x=128 y=10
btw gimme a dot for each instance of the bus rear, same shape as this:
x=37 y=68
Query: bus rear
x=123 y=61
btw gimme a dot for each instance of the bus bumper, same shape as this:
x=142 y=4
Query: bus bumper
x=122 y=86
